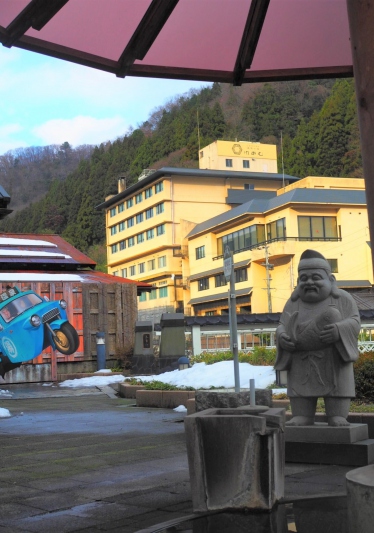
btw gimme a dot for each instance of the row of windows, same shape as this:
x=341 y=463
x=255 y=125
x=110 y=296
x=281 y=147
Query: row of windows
x=162 y=292
x=309 y=227
x=141 y=267
x=242 y=239
x=144 y=215
x=137 y=198
x=241 y=274
x=229 y=163
x=138 y=239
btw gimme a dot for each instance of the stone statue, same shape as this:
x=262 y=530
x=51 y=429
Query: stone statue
x=317 y=343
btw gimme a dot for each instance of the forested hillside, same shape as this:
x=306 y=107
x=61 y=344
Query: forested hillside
x=316 y=120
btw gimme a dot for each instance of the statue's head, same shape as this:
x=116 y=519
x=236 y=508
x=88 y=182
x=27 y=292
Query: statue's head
x=315 y=282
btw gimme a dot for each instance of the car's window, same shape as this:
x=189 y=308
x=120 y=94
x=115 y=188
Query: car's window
x=18 y=306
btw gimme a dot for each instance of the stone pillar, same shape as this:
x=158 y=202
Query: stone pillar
x=143 y=359
x=173 y=341
x=360 y=499
x=196 y=340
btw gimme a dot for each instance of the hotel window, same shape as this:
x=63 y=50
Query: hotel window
x=242 y=239
x=163 y=292
x=124 y=272
x=229 y=163
x=140 y=238
x=113 y=230
x=114 y=248
x=115 y=273
x=159 y=187
x=151 y=264
x=245 y=163
x=276 y=229
x=143 y=297
x=153 y=294
x=149 y=213
x=121 y=207
x=131 y=242
x=121 y=226
x=122 y=245
x=148 y=192
x=139 y=218
x=333 y=265
x=139 y=198
x=132 y=270
x=113 y=212
x=241 y=275
x=141 y=268
x=159 y=208
x=162 y=261
x=160 y=230
x=317 y=228
x=200 y=252
x=130 y=222
x=129 y=202
x=203 y=284
x=150 y=234
x=220 y=280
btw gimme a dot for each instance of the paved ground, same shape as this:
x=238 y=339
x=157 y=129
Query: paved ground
x=87 y=461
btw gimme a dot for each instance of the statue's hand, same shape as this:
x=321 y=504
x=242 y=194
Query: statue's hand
x=330 y=334
x=286 y=342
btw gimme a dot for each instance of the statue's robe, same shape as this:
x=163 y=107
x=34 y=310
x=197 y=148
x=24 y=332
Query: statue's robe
x=316 y=369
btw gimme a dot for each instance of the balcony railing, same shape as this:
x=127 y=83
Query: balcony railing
x=281 y=239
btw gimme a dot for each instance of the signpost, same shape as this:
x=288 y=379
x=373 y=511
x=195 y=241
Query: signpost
x=228 y=269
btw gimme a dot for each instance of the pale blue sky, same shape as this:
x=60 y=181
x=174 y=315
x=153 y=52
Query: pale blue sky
x=49 y=101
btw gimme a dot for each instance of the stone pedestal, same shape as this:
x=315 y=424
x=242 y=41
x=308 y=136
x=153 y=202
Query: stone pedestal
x=323 y=444
x=236 y=458
x=360 y=500
x=208 y=399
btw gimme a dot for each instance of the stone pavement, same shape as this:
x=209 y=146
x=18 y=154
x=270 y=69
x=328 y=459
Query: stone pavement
x=85 y=460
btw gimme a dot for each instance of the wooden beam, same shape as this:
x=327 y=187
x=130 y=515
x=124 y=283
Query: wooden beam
x=251 y=35
x=35 y=15
x=361 y=23
x=145 y=34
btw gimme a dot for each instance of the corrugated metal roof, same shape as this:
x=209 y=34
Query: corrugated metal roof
x=305 y=196
x=193 y=173
x=29 y=251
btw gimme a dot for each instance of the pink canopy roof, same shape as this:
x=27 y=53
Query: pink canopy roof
x=234 y=41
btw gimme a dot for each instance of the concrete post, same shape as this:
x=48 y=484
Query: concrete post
x=196 y=340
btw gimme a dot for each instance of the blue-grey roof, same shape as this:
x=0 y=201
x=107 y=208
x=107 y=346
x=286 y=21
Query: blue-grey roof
x=259 y=206
x=240 y=196
x=195 y=172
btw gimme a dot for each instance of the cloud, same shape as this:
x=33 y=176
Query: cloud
x=8 y=137
x=80 y=130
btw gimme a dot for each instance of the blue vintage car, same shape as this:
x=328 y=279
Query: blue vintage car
x=28 y=324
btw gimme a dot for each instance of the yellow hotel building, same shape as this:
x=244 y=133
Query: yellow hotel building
x=170 y=229
x=267 y=237
x=147 y=223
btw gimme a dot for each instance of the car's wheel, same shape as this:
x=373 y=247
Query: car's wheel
x=66 y=339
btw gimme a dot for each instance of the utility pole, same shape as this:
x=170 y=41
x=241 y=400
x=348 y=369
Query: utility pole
x=268 y=267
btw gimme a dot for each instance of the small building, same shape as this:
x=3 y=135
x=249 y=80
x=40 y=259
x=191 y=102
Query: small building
x=240 y=156
x=97 y=302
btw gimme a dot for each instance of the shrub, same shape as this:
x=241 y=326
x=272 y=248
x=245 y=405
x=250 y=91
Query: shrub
x=260 y=356
x=364 y=377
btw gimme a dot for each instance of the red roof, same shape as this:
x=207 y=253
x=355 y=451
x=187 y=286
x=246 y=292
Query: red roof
x=30 y=257
x=233 y=41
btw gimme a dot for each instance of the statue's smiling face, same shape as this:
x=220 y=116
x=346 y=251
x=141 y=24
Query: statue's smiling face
x=314 y=285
